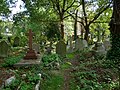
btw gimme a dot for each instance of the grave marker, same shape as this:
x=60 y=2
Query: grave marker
x=107 y=45
x=80 y=44
x=30 y=53
x=61 y=48
x=3 y=49
x=16 y=42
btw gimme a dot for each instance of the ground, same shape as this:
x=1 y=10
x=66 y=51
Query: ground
x=76 y=73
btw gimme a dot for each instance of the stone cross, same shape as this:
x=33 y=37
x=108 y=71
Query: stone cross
x=30 y=34
x=30 y=53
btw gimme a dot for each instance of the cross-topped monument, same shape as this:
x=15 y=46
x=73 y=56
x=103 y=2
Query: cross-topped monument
x=30 y=53
x=30 y=34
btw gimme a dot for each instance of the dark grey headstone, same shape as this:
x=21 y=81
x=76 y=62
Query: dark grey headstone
x=3 y=49
x=61 y=48
x=16 y=42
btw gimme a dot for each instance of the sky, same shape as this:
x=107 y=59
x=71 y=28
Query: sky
x=17 y=8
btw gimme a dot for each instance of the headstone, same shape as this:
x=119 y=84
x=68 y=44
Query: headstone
x=9 y=80
x=49 y=49
x=36 y=47
x=107 y=45
x=100 y=49
x=61 y=48
x=70 y=45
x=30 y=53
x=80 y=44
x=85 y=43
x=16 y=42
x=3 y=49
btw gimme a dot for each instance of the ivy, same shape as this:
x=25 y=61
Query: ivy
x=114 y=53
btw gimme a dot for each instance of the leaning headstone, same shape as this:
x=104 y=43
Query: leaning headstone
x=3 y=49
x=107 y=45
x=61 y=48
x=80 y=44
x=9 y=80
x=16 y=42
x=36 y=47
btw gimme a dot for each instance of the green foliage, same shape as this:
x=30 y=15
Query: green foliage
x=26 y=81
x=66 y=65
x=53 y=32
x=4 y=8
x=81 y=55
x=32 y=77
x=26 y=86
x=70 y=55
x=11 y=60
x=94 y=74
x=54 y=83
x=114 y=53
x=46 y=59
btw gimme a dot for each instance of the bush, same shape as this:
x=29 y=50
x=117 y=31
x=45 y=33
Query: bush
x=50 y=58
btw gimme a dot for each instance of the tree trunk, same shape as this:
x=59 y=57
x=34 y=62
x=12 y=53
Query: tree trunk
x=114 y=53
x=62 y=28
x=86 y=33
x=75 y=26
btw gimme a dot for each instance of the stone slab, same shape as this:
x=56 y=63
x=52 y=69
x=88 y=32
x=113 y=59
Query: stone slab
x=30 y=62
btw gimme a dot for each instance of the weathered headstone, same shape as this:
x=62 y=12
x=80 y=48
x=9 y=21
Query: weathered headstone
x=16 y=42
x=70 y=45
x=99 y=49
x=80 y=44
x=3 y=49
x=30 y=53
x=36 y=47
x=61 y=48
x=107 y=45
x=85 y=43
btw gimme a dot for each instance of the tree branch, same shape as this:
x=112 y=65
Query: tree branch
x=69 y=6
x=75 y=18
x=97 y=15
x=84 y=12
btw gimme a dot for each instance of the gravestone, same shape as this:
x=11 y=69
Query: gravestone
x=70 y=45
x=3 y=49
x=30 y=53
x=107 y=45
x=36 y=47
x=16 y=42
x=99 y=49
x=80 y=44
x=61 y=48
x=85 y=43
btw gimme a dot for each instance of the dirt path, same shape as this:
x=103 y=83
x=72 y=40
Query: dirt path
x=67 y=74
x=66 y=79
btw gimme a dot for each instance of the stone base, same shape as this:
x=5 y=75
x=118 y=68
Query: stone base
x=30 y=55
x=30 y=62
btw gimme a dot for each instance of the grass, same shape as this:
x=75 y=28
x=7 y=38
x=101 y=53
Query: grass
x=53 y=83
x=65 y=65
x=70 y=55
